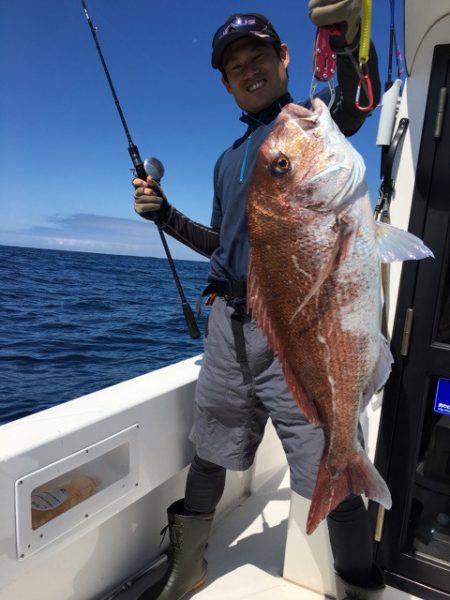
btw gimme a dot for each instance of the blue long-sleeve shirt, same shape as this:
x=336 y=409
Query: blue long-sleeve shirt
x=226 y=242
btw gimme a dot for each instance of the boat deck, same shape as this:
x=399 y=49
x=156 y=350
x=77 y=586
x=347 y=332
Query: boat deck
x=246 y=551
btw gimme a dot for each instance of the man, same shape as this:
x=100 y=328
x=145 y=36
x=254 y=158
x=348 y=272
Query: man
x=241 y=382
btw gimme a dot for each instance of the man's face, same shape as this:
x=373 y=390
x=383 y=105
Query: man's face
x=256 y=74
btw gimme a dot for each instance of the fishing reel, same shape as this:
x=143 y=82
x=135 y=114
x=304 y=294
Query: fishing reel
x=154 y=168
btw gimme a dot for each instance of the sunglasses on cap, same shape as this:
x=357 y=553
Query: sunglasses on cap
x=238 y=26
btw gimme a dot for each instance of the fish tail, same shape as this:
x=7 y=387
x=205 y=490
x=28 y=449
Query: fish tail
x=365 y=479
x=359 y=477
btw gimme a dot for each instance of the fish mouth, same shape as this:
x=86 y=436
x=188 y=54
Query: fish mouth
x=256 y=85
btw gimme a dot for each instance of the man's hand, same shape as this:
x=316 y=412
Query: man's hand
x=331 y=12
x=149 y=198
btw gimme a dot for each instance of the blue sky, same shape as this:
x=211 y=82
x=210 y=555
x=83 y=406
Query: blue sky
x=65 y=169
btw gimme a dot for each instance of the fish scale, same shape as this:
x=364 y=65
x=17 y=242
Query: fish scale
x=314 y=288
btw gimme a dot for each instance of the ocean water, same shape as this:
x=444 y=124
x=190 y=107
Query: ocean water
x=74 y=322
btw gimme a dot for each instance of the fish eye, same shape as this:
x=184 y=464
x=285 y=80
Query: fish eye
x=280 y=165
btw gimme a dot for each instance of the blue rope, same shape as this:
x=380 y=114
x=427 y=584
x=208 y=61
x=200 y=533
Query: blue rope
x=244 y=160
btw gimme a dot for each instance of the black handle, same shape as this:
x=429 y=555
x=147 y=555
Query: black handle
x=188 y=314
x=194 y=331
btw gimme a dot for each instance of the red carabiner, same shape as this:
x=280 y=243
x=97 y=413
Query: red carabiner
x=324 y=58
x=369 y=92
x=324 y=61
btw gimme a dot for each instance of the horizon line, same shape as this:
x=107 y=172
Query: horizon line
x=200 y=260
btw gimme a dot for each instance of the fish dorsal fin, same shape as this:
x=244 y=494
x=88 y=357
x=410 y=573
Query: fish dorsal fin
x=397 y=245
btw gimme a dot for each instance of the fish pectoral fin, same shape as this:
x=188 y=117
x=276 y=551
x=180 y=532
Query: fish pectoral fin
x=336 y=256
x=394 y=244
x=346 y=238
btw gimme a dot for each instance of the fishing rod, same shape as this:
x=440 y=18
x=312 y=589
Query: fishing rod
x=151 y=166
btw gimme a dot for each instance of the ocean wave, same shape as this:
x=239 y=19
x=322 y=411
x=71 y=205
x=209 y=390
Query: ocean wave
x=75 y=322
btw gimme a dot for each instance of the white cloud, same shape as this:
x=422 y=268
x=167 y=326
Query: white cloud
x=96 y=233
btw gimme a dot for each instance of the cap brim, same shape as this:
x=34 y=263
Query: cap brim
x=216 y=57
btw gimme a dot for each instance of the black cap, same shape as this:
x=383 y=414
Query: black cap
x=238 y=26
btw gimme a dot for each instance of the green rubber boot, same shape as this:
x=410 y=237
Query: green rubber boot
x=188 y=538
x=372 y=591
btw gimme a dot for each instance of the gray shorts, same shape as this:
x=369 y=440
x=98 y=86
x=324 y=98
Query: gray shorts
x=233 y=401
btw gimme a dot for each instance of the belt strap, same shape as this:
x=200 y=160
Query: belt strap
x=234 y=292
x=233 y=288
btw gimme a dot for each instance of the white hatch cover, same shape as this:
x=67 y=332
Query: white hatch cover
x=420 y=16
x=63 y=495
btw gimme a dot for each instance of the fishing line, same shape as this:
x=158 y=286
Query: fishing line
x=127 y=42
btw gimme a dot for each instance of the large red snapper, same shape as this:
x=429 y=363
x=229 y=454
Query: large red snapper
x=314 y=288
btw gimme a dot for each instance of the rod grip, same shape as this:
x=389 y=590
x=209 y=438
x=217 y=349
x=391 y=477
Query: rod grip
x=194 y=331
x=137 y=162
